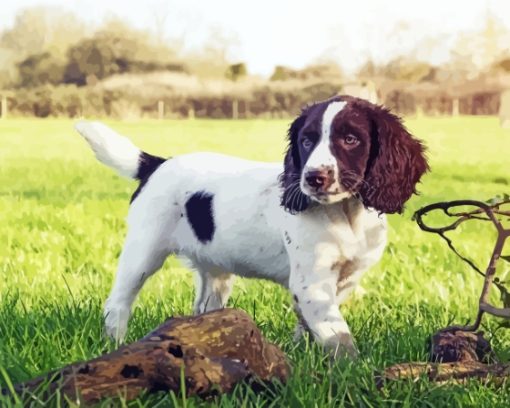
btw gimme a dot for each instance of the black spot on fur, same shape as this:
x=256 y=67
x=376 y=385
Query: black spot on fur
x=200 y=215
x=147 y=164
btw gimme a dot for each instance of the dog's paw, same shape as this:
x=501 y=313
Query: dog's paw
x=349 y=351
x=115 y=322
x=344 y=347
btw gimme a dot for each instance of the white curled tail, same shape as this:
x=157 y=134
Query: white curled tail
x=110 y=148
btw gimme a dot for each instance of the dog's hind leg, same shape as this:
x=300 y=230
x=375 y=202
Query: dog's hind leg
x=212 y=290
x=142 y=255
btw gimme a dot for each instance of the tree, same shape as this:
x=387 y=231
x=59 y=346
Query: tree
x=407 y=69
x=481 y=49
x=323 y=71
x=212 y=60
x=368 y=70
x=282 y=73
x=8 y=69
x=40 y=29
x=36 y=31
x=502 y=65
x=93 y=58
x=40 y=69
x=116 y=49
x=236 y=71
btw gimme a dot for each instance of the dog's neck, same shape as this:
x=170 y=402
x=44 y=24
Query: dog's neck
x=352 y=208
x=348 y=210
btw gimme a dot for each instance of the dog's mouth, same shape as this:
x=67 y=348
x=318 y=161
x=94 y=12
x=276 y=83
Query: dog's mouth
x=332 y=192
x=327 y=197
x=330 y=197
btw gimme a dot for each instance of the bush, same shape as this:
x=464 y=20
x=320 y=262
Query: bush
x=97 y=58
x=40 y=69
x=104 y=55
x=401 y=102
x=64 y=100
x=481 y=103
x=133 y=98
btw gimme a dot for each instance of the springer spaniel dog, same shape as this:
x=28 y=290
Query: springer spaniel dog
x=314 y=224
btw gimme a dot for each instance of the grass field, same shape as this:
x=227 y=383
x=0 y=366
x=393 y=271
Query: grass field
x=62 y=227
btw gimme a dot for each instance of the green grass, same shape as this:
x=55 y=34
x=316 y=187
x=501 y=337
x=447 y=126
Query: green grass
x=62 y=228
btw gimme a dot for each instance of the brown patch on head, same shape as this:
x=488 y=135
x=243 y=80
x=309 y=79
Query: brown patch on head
x=396 y=162
x=350 y=143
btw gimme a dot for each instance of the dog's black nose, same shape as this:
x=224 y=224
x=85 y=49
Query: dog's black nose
x=316 y=179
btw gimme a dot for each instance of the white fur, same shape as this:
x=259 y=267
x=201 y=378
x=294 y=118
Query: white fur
x=110 y=148
x=254 y=237
x=329 y=115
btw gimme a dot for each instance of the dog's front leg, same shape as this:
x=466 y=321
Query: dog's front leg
x=313 y=280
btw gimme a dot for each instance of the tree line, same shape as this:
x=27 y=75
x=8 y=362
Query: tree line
x=52 y=64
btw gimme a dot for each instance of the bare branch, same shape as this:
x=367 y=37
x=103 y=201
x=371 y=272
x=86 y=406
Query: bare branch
x=505 y=313
x=484 y=212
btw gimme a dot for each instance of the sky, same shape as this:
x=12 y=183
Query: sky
x=265 y=33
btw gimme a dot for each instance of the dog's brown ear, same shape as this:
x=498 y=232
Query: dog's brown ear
x=396 y=164
x=293 y=200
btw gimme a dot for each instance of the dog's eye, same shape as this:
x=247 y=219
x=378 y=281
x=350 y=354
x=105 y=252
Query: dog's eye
x=307 y=143
x=351 y=140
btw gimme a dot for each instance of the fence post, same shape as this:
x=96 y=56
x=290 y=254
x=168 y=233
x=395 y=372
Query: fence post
x=161 y=109
x=504 y=109
x=247 y=113
x=3 y=107
x=235 y=109
x=455 y=107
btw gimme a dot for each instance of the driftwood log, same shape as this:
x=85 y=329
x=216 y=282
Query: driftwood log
x=458 y=372
x=452 y=345
x=204 y=355
x=455 y=356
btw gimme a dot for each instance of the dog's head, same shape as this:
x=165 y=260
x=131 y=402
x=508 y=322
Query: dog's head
x=346 y=147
